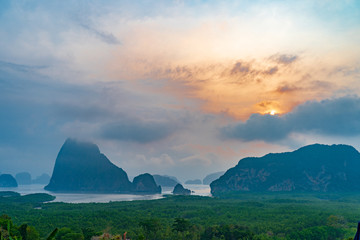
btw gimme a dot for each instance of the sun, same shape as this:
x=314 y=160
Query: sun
x=272 y=112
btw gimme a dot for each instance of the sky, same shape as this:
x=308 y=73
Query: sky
x=182 y=88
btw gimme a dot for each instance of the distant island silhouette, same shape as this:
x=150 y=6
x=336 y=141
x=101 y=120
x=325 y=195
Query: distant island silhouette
x=81 y=167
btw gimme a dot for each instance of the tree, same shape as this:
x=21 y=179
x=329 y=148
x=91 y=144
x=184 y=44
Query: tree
x=52 y=234
x=32 y=234
x=151 y=227
x=28 y=232
x=230 y=232
x=181 y=225
x=89 y=232
x=67 y=234
x=22 y=230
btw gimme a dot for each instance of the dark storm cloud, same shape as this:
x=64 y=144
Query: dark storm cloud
x=258 y=127
x=332 y=117
x=136 y=130
x=34 y=108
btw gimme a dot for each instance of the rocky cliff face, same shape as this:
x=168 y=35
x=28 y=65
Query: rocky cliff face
x=7 y=180
x=145 y=183
x=314 y=168
x=80 y=167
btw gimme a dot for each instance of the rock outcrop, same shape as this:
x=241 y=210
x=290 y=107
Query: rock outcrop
x=42 y=179
x=7 y=180
x=23 y=178
x=145 y=184
x=313 y=168
x=80 y=167
x=180 y=190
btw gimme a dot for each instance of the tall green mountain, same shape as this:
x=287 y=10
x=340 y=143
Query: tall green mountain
x=313 y=168
x=81 y=167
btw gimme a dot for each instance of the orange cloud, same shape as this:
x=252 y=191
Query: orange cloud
x=224 y=65
x=237 y=88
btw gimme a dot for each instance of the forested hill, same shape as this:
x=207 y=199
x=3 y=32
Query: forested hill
x=319 y=168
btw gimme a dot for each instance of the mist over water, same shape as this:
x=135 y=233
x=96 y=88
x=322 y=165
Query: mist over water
x=200 y=190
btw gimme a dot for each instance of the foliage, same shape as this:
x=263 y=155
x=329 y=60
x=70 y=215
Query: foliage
x=10 y=231
x=151 y=227
x=231 y=232
x=181 y=225
x=52 y=234
x=28 y=232
x=249 y=216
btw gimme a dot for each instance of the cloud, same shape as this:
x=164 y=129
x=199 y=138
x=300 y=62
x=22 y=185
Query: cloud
x=285 y=88
x=122 y=73
x=136 y=130
x=268 y=106
x=272 y=70
x=240 y=68
x=284 y=58
x=104 y=36
x=332 y=117
x=200 y=159
x=258 y=127
x=164 y=159
x=160 y=161
x=19 y=67
x=82 y=112
x=224 y=86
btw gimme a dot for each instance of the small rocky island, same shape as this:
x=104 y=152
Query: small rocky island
x=7 y=181
x=81 y=167
x=145 y=183
x=23 y=178
x=180 y=190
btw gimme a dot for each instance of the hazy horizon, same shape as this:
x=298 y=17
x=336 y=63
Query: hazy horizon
x=179 y=88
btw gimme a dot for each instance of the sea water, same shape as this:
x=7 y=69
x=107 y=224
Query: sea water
x=197 y=189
